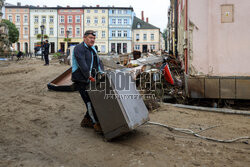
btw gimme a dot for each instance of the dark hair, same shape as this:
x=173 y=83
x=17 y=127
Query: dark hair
x=88 y=32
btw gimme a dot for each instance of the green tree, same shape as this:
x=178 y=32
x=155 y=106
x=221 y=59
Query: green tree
x=13 y=31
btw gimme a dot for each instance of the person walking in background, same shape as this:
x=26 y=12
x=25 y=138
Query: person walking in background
x=46 y=52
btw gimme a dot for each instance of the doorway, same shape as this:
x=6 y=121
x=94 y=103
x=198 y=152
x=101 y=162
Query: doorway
x=144 y=48
x=119 y=47
x=52 y=47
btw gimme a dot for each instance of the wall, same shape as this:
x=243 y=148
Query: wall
x=218 y=49
x=148 y=42
x=101 y=41
x=20 y=25
x=43 y=12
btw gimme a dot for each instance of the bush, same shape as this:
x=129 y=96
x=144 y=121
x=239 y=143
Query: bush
x=57 y=55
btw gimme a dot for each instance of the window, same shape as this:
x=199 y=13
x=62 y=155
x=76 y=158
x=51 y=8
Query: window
x=61 y=19
x=88 y=11
x=138 y=25
x=113 y=21
x=10 y=18
x=44 y=31
x=25 y=32
x=103 y=11
x=112 y=47
x=36 y=31
x=88 y=20
x=152 y=47
x=103 y=48
x=124 y=47
x=152 y=36
x=103 y=34
x=25 y=18
x=78 y=19
x=96 y=34
x=125 y=12
x=77 y=31
x=113 y=11
x=62 y=31
x=119 y=33
x=119 y=21
x=113 y=33
x=103 y=20
x=36 y=19
x=144 y=36
x=137 y=47
x=51 y=31
x=18 y=19
x=69 y=19
x=96 y=20
x=70 y=30
x=51 y=19
x=96 y=11
x=125 y=33
x=125 y=21
x=119 y=11
x=137 y=37
x=43 y=19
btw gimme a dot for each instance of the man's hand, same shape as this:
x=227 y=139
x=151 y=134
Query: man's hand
x=92 y=79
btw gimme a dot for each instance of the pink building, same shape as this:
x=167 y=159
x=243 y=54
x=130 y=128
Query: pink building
x=70 y=19
x=19 y=15
x=214 y=40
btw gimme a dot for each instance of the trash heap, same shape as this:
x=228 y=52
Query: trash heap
x=159 y=77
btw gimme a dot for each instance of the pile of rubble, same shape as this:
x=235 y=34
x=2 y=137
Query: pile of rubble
x=159 y=77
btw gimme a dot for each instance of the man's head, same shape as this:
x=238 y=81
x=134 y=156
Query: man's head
x=89 y=37
x=46 y=41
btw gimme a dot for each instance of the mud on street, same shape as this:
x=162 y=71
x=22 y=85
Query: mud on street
x=42 y=128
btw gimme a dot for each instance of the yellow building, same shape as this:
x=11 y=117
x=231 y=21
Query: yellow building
x=146 y=37
x=96 y=19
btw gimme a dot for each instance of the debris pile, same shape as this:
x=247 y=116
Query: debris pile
x=158 y=77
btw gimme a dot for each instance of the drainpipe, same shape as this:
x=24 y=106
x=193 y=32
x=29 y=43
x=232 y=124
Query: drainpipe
x=186 y=39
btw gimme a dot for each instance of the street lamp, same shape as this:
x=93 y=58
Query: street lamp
x=67 y=52
x=42 y=49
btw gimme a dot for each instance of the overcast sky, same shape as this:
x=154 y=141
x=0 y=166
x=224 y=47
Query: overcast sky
x=155 y=10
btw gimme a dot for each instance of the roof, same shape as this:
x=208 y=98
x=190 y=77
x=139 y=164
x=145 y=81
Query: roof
x=144 y=25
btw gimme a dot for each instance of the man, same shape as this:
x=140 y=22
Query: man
x=85 y=65
x=46 y=52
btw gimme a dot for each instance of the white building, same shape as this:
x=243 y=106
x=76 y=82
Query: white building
x=47 y=17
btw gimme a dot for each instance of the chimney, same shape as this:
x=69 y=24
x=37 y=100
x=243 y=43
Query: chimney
x=18 y=3
x=98 y=6
x=142 y=15
x=147 y=19
x=68 y=6
x=38 y=6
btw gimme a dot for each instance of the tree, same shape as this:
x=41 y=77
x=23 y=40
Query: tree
x=13 y=31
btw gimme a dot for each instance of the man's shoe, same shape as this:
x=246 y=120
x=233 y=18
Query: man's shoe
x=98 y=128
x=86 y=123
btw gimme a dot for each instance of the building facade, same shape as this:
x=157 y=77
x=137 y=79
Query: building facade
x=97 y=19
x=47 y=17
x=71 y=20
x=19 y=15
x=213 y=43
x=146 y=37
x=120 y=30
